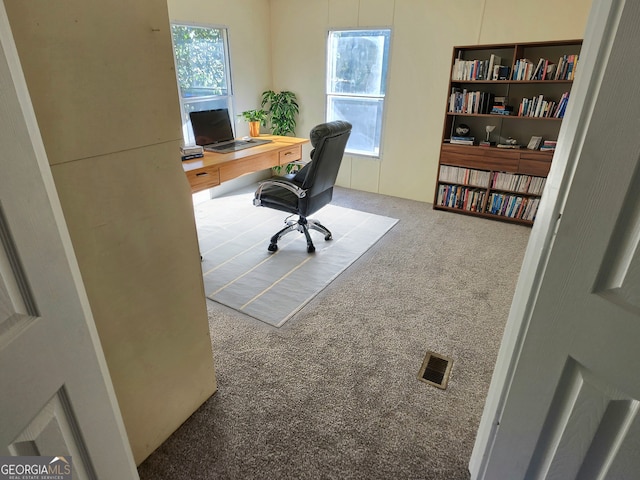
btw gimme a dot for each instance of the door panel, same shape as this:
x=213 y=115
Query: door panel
x=587 y=419
x=54 y=432
x=614 y=452
x=17 y=307
x=619 y=276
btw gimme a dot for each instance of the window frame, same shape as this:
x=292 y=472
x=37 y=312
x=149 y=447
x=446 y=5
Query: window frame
x=228 y=99
x=385 y=84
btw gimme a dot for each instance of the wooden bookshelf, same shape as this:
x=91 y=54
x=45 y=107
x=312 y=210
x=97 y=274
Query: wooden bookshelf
x=534 y=94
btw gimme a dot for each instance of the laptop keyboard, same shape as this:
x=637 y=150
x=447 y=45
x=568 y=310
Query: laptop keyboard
x=236 y=145
x=227 y=145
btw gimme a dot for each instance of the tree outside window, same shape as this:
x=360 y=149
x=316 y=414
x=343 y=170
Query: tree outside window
x=202 y=69
x=356 y=85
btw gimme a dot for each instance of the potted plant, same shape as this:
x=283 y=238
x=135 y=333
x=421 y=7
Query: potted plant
x=255 y=119
x=282 y=108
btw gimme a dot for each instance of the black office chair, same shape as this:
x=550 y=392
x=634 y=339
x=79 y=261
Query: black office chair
x=305 y=192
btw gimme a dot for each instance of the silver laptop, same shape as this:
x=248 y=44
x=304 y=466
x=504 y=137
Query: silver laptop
x=212 y=130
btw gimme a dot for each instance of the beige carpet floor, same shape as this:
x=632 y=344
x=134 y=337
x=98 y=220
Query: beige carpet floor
x=333 y=393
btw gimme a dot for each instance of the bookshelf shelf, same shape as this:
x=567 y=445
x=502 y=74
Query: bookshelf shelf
x=490 y=216
x=502 y=117
x=511 y=82
x=512 y=192
x=534 y=84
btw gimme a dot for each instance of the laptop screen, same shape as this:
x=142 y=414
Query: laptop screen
x=211 y=126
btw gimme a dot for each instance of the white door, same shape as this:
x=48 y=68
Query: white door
x=56 y=397
x=563 y=402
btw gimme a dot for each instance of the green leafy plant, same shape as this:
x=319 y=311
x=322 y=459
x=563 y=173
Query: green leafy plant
x=255 y=116
x=282 y=109
x=285 y=169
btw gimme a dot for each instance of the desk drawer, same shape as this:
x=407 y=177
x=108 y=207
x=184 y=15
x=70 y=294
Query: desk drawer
x=247 y=165
x=203 y=178
x=291 y=154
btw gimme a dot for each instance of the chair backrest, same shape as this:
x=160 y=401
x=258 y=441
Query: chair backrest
x=328 y=141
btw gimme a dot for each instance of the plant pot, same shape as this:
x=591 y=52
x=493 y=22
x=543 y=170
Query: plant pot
x=254 y=129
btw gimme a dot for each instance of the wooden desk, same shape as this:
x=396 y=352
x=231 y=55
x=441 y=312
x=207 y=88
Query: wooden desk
x=215 y=168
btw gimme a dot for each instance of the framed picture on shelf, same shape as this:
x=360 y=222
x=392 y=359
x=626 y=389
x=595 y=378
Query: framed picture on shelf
x=534 y=143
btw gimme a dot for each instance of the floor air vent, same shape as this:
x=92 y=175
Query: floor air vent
x=435 y=370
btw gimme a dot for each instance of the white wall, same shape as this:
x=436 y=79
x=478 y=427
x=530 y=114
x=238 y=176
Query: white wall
x=423 y=35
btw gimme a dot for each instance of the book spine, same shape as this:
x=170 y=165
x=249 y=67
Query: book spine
x=192 y=156
x=575 y=66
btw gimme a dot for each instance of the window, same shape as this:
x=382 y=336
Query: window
x=356 y=85
x=202 y=69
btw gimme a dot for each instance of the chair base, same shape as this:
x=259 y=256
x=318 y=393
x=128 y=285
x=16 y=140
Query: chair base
x=301 y=225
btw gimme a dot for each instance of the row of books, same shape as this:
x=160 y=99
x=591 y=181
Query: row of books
x=464 y=198
x=541 y=108
x=466 y=176
x=189 y=152
x=503 y=181
x=466 y=102
x=472 y=200
x=500 y=106
x=548 y=146
x=565 y=69
x=518 y=183
x=562 y=105
x=501 y=110
x=476 y=69
x=523 y=69
x=462 y=140
x=513 y=206
x=463 y=101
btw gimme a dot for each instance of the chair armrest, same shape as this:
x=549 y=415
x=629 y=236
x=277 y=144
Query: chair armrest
x=297 y=191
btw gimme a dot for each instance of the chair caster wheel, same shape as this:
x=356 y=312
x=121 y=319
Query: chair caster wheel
x=328 y=237
x=272 y=247
x=311 y=249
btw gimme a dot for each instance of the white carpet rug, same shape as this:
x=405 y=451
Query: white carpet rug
x=239 y=272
